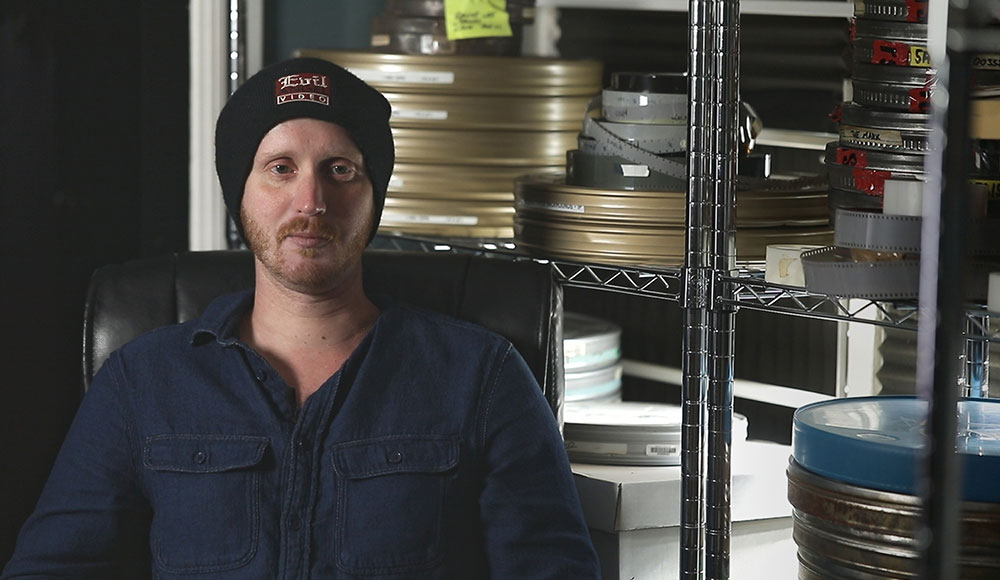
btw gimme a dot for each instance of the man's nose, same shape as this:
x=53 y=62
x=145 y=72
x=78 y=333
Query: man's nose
x=309 y=200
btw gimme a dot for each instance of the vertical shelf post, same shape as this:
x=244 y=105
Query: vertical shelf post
x=942 y=289
x=707 y=391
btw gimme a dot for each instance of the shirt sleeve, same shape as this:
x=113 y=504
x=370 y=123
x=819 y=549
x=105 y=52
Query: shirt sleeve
x=91 y=521
x=534 y=525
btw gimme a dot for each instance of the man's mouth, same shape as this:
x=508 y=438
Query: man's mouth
x=309 y=234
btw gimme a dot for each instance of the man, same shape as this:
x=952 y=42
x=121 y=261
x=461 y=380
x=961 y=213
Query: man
x=303 y=429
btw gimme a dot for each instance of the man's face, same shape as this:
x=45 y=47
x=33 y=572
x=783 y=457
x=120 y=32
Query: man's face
x=308 y=205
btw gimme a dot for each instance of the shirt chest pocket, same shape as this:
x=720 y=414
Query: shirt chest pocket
x=205 y=492
x=391 y=501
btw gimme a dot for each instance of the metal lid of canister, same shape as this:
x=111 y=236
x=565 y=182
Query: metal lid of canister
x=629 y=432
x=877 y=443
x=674 y=83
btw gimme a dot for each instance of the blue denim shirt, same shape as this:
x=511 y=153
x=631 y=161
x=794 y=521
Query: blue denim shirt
x=431 y=454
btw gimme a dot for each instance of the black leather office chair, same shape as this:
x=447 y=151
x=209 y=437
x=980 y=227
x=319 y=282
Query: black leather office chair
x=520 y=300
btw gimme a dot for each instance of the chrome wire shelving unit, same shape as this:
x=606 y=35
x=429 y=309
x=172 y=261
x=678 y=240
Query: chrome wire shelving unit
x=650 y=282
x=711 y=288
x=750 y=290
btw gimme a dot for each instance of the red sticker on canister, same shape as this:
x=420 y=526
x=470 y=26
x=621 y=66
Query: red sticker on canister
x=870 y=181
x=916 y=10
x=854 y=157
x=890 y=52
x=920 y=100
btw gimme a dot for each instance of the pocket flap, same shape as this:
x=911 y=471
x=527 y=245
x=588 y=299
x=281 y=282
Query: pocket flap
x=398 y=454
x=203 y=453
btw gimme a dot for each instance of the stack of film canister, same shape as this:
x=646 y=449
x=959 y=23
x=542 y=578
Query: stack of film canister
x=592 y=359
x=855 y=485
x=467 y=119
x=876 y=167
x=599 y=427
x=420 y=27
x=622 y=197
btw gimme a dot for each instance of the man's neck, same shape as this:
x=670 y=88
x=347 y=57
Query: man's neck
x=307 y=338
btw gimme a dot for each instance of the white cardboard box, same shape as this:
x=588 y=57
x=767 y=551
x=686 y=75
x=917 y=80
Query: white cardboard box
x=634 y=516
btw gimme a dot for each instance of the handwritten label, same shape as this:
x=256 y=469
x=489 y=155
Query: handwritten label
x=871 y=135
x=986 y=61
x=852 y=157
x=476 y=19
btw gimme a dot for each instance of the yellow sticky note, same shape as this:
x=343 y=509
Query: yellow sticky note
x=476 y=18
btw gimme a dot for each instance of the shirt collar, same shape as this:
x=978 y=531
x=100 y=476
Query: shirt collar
x=221 y=318
x=223 y=315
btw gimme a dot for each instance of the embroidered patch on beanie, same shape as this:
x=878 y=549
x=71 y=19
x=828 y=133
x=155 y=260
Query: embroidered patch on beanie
x=302 y=87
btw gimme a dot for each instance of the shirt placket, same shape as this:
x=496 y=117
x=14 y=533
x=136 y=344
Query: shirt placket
x=296 y=471
x=301 y=479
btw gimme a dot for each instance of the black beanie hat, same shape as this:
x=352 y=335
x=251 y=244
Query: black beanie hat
x=302 y=87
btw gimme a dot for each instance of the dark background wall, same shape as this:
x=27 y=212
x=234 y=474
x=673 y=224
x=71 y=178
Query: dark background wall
x=93 y=170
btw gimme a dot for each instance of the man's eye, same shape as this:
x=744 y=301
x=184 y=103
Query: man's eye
x=281 y=169
x=343 y=171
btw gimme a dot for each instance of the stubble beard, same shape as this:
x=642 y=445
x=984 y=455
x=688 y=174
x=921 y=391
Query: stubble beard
x=314 y=273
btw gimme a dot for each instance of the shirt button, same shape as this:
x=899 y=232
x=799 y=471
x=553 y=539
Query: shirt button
x=261 y=375
x=200 y=457
x=394 y=456
x=294 y=523
x=303 y=444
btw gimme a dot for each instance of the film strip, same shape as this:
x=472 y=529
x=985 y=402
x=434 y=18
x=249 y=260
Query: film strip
x=895 y=10
x=879 y=232
x=640 y=162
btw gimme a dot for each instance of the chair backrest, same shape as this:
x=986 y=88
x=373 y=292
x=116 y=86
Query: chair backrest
x=518 y=299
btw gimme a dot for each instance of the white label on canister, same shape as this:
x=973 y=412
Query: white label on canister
x=662 y=450
x=451 y=220
x=564 y=207
x=635 y=170
x=420 y=114
x=371 y=75
x=885 y=136
x=597 y=447
x=993 y=292
x=986 y=61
